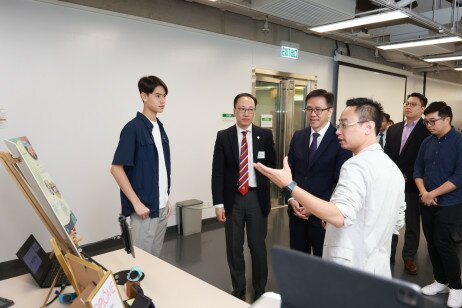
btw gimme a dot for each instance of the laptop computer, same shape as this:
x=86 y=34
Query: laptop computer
x=39 y=264
x=308 y=281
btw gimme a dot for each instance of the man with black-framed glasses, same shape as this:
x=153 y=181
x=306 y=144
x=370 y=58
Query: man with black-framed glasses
x=315 y=157
x=438 y=176
x=402 y=145
x=367 y=205
x=241 y=195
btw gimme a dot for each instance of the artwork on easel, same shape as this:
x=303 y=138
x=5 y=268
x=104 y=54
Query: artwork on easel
x=44 y=189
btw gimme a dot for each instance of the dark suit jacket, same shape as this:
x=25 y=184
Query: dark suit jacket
x=225 y=167
x=319 y=176
x=406 y=159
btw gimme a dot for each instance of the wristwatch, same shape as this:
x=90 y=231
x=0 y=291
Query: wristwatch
x=289 y=188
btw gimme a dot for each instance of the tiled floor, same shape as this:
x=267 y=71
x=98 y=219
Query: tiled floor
x=203 y=255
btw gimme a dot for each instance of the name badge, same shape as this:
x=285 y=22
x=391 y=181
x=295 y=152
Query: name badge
x=261 y=155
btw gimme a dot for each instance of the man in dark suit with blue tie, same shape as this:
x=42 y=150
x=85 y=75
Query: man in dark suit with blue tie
x=241 y=195
x=315 y=158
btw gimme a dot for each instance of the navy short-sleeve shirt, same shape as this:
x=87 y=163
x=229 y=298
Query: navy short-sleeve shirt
x=137 y=153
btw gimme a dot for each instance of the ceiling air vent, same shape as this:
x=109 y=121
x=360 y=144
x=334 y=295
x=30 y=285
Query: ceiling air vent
x=308 y=12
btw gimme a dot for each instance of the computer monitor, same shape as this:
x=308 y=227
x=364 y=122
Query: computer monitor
x=308 y=281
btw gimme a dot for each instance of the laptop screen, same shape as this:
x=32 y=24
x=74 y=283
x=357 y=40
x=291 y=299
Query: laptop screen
x=35 y=259
x=32 y=258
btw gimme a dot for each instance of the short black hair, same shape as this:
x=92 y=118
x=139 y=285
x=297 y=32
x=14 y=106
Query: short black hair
x=441 y=107
x=367 y=110
x=245 y=95
x=149 y=83
x=321 y=93
x=386 y=116
x=421 y=97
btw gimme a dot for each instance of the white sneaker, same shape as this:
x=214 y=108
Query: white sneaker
x=435 y=288
x=455 y=298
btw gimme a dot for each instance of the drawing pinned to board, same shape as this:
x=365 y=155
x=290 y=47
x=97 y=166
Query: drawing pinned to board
x=47 y=186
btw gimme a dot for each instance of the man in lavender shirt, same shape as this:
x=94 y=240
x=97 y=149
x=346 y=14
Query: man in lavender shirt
x=402 y=145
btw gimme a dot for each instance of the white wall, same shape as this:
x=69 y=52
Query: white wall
x=69 y=82
x=414 y=84
x=389 y=90
x=451 y=93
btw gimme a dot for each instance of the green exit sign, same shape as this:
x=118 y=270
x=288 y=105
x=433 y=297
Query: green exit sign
x=289 y=52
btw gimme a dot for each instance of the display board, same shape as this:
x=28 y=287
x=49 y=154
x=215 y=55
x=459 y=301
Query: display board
x=44 y=189
x=386 y=88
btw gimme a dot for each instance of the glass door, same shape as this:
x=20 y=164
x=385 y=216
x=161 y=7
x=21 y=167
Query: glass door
x=281 y=99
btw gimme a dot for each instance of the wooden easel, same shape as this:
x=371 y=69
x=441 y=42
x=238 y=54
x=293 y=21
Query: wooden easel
x=13 y=169
x=59 y=244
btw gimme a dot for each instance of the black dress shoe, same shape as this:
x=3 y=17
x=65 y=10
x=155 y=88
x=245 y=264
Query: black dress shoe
x=239 y=294
x=257 y=295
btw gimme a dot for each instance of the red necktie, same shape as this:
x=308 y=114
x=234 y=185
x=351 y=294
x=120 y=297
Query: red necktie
x=243 y=182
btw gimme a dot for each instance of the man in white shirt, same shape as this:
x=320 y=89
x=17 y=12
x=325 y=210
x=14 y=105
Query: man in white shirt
x=367 y=205
x=141 y=168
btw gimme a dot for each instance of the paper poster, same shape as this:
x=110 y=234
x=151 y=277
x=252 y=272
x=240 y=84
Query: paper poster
x=45 y=182
x=266 y=120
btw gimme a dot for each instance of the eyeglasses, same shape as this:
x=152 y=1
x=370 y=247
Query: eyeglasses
x=317 y=111
x=432 y=121
x=249 y=110
x=411 y=104
x=343 y=125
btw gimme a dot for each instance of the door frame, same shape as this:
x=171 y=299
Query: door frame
x=284 y=113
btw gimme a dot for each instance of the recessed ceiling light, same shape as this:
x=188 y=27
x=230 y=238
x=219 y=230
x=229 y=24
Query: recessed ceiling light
x=434 y=41
x=372 y=19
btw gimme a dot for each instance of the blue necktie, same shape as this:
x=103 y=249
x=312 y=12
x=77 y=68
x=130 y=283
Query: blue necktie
x=314 y=145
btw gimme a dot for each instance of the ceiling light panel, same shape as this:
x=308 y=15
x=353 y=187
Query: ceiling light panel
x=367 y=20
x=447 y=58
x=443 y=40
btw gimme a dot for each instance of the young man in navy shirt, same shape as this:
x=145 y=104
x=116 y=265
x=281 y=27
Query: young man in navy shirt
x=438 y=176
x=141 y=168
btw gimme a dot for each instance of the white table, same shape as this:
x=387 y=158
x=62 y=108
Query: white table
x=168 y=286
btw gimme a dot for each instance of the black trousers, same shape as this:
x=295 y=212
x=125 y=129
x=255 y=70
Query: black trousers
x=306 y=235
x=247 y=214
x=442 y=226
x=412 y=230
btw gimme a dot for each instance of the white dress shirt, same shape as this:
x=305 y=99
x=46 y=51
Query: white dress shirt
x=252 y=177
x=370 y=195
x=322 y=133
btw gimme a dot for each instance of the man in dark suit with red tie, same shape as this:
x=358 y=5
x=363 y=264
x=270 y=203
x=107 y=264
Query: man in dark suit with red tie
x=402 y=145
x=241 y=195
x=315 y=158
